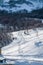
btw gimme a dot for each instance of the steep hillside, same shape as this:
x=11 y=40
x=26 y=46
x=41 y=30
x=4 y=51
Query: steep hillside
x=20 y=5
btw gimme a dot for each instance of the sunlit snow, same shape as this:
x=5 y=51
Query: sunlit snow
x=25 y=47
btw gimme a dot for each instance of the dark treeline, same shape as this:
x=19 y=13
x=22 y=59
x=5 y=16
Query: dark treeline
x=22 y=20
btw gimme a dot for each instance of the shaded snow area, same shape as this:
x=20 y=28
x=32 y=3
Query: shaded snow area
x=26 y=47
x=20 y=5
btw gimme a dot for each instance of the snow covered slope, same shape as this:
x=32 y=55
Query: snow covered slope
x=25 y=45
x=21 y=5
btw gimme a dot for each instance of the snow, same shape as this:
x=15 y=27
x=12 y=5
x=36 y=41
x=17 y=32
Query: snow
x=24 y=46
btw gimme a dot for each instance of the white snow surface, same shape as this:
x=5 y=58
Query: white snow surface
x=25 y=46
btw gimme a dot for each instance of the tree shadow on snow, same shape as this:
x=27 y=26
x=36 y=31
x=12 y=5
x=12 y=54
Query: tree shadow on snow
x=22 y=63
x=27 y=63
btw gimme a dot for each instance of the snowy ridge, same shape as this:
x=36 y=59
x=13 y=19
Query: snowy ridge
x=27 y=5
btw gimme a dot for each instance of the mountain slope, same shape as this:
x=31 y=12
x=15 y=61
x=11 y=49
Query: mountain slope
x=24 y=46
x=20 y=5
